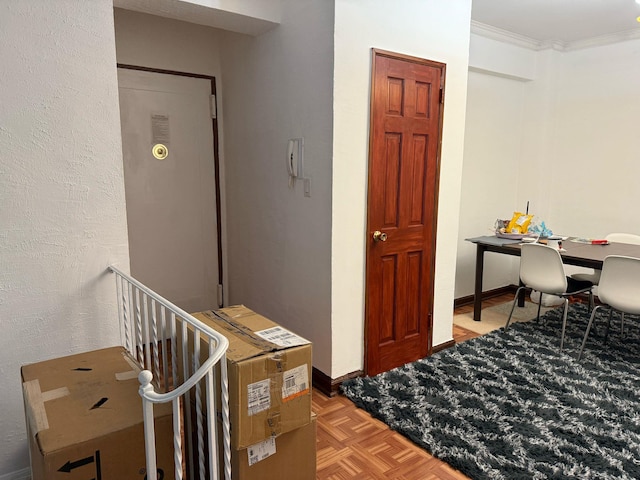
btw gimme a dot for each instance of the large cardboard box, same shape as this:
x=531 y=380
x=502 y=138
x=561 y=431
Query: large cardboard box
x=269 y=371
x=292 y=455
x=84 y=419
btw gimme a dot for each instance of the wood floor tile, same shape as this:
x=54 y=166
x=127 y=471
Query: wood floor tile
x=351 y=444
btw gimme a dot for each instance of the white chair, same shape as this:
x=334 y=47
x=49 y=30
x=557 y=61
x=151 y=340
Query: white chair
x=618 y=289
x=541 y=269
x=594 y=276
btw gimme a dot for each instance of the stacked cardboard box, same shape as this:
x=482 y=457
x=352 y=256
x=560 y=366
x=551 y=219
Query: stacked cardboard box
x=84 y=418
x=291 y=455
x=273 y=434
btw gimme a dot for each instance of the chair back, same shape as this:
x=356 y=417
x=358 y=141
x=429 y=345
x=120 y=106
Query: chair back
x=541 y=268
x=624 y=238
x=619 y=284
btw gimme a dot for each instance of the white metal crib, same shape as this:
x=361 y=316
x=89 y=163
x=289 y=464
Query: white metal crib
x=166 y=342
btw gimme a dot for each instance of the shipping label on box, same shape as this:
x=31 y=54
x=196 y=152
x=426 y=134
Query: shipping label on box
x=269 y=369
x=291 y=455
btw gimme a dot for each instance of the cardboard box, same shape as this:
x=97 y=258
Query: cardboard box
x=84 y=419
x=292 y=455
x=269 y=370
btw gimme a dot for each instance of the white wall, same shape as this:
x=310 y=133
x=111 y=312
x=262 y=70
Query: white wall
x=157 y=42
x=501 y=59
x=430 y=29
x=278 y=86
x=62 y=211
x=493 y=137
x=572 y=152
x=595 y=141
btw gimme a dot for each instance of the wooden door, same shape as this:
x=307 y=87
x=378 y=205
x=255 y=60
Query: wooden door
x=404 y=149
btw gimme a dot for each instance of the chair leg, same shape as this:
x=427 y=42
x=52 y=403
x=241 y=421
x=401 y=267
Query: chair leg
x=564 y=321
x=513 y=306
x=622 y=323
x=539 y=307
x=586 y=333
x=606 y=332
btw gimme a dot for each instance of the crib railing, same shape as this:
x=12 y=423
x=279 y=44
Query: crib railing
x=168 y=345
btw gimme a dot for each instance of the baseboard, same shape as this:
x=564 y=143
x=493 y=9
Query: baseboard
x=496 y=292
x=24 y=474
x=331 y=387
x=443 y=346
x=327 y=385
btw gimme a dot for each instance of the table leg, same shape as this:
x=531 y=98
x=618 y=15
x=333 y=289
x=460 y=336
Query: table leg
x=477 y=295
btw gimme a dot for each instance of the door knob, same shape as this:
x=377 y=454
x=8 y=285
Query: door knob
x=379 y=236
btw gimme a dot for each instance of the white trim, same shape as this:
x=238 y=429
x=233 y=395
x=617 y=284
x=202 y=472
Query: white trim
x=604 y=40
x=24 y=474
x=506 y=36
x=498 y=74
x=501 y=35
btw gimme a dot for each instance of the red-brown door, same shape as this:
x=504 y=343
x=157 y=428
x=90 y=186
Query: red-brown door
x=405 y=132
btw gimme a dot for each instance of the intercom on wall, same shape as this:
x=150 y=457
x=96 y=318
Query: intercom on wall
x=295 y=164
x=295 y=161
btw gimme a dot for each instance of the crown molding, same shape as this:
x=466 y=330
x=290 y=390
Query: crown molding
x=506 y=36
x=604 y=40
x=495 y=33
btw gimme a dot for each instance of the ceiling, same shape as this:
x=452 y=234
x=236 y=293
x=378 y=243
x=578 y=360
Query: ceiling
x=537 y=24
x=560 y=23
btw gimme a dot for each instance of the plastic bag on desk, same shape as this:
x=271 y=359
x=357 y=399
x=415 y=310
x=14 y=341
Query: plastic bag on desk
x=540 y=229
x=519 y=223
x=501 y=226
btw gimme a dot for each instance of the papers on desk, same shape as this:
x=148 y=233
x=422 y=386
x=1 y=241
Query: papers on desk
x=590 y=241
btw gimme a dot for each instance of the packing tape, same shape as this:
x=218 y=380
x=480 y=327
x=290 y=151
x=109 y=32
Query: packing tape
x=133 y=373
x=34 y=401
x=272 y=423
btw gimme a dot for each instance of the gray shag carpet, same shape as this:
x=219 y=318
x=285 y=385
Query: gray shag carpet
x=509 y=405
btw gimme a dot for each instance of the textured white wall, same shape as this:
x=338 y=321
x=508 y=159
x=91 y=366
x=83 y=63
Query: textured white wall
x=278 y=86
x=62 y=208
x=429 y=29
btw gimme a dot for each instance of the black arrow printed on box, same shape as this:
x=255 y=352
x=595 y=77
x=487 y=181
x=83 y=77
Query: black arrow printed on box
x=67 y=467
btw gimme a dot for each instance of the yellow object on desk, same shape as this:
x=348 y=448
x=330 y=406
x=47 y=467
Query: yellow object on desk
x=519 y=223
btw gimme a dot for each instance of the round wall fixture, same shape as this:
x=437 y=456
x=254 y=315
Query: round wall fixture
x=160 y=151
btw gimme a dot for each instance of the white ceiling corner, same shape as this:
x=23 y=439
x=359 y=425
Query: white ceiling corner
x=559 y=24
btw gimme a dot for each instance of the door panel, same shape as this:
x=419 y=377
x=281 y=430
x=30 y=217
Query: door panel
x=402 y=202
x=171 y=203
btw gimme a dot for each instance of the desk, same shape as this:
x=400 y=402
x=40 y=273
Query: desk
x=579 y=254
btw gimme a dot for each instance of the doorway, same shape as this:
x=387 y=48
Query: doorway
x=404 y=158
x=172 y=184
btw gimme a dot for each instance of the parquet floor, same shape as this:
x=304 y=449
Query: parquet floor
x=353 y=445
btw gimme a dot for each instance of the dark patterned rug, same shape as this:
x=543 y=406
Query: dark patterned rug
x=510 y=406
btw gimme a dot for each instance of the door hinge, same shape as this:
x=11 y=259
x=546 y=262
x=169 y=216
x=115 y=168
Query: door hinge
x=212 y=106
x=220 y=296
